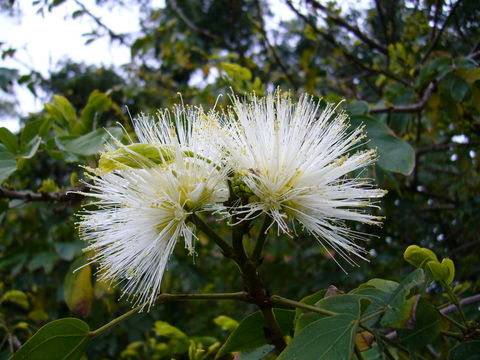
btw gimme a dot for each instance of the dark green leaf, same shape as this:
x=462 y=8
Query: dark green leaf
x=9 y=140
x=469 y=350
x=394 y=154
x=426 y=329
x=458 y=88
x=8 y=165
x=31 y=148
x=257 y=354
x=88 y=144
x=97 y=101
x=44 y=260
x=33 y=128
x=58 y=340
x=250 y=335
x=331 y=337
x=357 y=108
x=399 y=308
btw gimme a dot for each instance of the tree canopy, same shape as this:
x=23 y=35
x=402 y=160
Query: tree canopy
x=407 y=71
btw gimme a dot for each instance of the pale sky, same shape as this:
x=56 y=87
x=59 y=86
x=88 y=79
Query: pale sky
x=41 y=42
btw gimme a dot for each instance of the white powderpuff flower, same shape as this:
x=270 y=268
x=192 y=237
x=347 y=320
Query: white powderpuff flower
x=143 y=209
x=293 y=159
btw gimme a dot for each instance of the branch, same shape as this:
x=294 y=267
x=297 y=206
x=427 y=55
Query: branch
x=98 y=21
x=194 y=27
x=352 y=58
x=70 y=195
x=352 y=28
x=381 y=15
x=408 y=108
x=169 y=297
x=439 y=33
x=269 y=46
x=444 y=146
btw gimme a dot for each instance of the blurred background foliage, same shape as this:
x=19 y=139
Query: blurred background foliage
x=408 y=71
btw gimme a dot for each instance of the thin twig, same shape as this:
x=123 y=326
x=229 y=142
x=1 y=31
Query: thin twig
x=272 y=49
x=350 y=57
x=408 y=108
x=297 y=304
x=197 y=28
x=438 y=35
x=169 y=297
x=113 y=35
x=352 y=28
x=70 y=195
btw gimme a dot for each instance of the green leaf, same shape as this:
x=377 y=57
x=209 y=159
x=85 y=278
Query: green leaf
x=426 y=329
x=34 y=128
x=97 y=101
x=357 y=108
x=418 y=257
x=58 y=340
x=9 y=140
x=331 y=337
x=88 y=144
x=257 y=354
x=399 y=308
x=44 y=260
x=249 y=334
x=162 y=328
x=68 y=250
x=16 y=297
x=227 y=323
x=458 y=88
x=78 y=289
x=66 y=110
x=29 y=150
x=8 y=165
x=394 y=154
x=346 y=303
x=469 y=350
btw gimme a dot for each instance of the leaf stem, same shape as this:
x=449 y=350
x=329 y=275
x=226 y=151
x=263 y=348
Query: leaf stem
x=454 y=300
x=207 y=230
x=262 y=236
x=169 y=297
x=297 y=304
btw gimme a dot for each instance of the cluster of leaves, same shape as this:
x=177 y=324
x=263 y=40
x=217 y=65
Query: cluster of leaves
x=409 y=71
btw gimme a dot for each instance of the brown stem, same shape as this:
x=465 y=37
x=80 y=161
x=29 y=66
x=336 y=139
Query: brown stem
x=71 y=195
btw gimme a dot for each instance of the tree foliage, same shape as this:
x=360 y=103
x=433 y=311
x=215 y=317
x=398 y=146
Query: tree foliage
x=409 y=73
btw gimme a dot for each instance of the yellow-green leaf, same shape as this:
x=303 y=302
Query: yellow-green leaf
x=78 y=289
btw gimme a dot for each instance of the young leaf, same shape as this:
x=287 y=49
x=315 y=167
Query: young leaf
x=58 y=340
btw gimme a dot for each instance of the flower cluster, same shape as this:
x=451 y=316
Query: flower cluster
x=268 y=156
